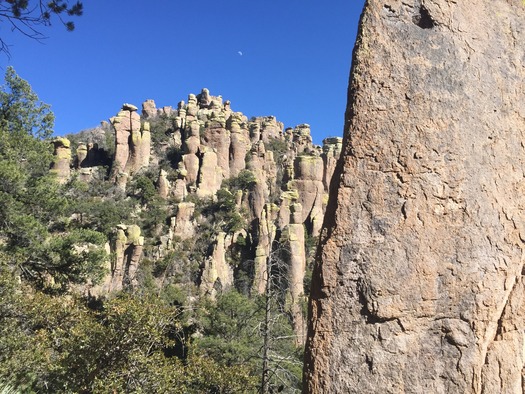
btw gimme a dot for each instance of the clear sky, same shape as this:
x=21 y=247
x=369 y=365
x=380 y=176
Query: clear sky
x=287 y=58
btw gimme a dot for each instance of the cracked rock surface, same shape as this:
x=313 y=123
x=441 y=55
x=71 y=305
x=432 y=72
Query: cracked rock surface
x=418 y=285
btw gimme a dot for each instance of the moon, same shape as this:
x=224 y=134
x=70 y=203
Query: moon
x=240 y=53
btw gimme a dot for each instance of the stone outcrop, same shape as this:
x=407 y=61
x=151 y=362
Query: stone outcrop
x=191 y=145
x=149 y=109
x=62 y=159
x=240 y=145
x=308 y=172
x=217 y=274
x=90 y=155
x=210 y=174
x=163 y=185
x=419 y=281
x=262 y=165
x=127 y=249
x=198 y=148
x=132 y=142
x=183 y=225
x=301 y=138
x=295 y=237
x=331 y=151
x=217 y=137
x=265 y=128
x=82 y=154
x=265 y=245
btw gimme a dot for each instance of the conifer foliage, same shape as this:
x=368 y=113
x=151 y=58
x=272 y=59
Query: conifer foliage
x=26 y=17
x=33 y=227
x=146 y=339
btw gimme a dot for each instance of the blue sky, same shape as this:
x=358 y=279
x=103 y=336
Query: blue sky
x=295 y=60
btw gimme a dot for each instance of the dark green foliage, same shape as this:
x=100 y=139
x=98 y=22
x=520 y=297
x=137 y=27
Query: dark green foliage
x=32 y=204
x=109 y=140
x=144 y=187
x=178 y=265
x=278 y=146
x=245 y=181
x=102 y=214
x=124 y=344
x=161 y=336
x=311 y=247
x=95 y=205
x=160 y=127
x=230 y=329
x=223 y=212
x=21 y=111
x=232 y=333
x=173 y=157
x=153 y=218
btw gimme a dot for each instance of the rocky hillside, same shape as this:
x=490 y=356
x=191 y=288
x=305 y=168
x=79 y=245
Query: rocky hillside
x=214 y=200
x=419 y=286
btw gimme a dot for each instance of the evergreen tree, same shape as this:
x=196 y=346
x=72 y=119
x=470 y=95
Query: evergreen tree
x=33 y=228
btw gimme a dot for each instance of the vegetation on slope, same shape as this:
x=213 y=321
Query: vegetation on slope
x=158 y=337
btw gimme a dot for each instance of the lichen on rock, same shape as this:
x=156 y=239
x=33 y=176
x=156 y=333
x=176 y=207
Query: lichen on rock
x=421 y=256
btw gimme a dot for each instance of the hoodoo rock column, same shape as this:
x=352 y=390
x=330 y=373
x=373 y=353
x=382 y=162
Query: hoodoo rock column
x=418 y=286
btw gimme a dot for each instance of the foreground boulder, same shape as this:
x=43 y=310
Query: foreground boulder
x=418 y=285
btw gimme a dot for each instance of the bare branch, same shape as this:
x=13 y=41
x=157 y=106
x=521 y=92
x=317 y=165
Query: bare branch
x=27 y=18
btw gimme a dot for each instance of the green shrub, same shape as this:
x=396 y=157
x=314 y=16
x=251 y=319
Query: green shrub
x=245 y=181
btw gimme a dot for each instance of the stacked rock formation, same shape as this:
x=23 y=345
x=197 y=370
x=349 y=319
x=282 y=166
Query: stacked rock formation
x=132 y=142
x=62 y=159
x=210 y=145
x=295 y=235
x=218 y=144
x=419 y=283
x=217 y=273
x=127 y=248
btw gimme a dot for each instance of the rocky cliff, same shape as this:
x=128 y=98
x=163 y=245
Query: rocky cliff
x=418 y=285
x=217 y=200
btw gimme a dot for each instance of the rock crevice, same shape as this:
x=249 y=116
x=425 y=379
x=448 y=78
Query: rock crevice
x=420 y=250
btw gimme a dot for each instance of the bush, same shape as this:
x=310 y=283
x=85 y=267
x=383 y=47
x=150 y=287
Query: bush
x=245 y=181
x=160 y=127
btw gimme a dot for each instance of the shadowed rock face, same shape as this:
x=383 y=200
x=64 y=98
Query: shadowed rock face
x=418 y=285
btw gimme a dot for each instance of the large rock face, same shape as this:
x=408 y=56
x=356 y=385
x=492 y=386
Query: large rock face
x=418 y=285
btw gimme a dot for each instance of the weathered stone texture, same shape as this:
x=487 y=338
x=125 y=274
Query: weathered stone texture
x=215 y=136
x=210 y=174
x=127 y=249
x=149 y=109
x=62 y=159
x=418 y=286
x=217 y=274
x=309 y=174
x=132 y=142
x=240 y=145
x=183 y=225
x=263 y=252
x=163 y=185
x=82 y=153
x=331 y=152
x=295 y=236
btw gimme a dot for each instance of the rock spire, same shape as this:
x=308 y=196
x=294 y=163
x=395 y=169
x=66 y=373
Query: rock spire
x=419 y=283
